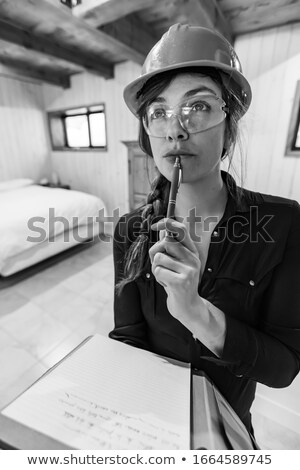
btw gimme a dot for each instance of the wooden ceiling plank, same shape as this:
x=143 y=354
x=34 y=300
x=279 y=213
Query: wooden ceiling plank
x=257 y=15
x=133 y=32
x=251 y=5
x=204 y=13
x=46 y=22
x=221 y=22
x=245 y=24
x=98 y=13
x=47 y=46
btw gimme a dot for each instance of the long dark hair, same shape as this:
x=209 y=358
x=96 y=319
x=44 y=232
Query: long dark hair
x=155 y=208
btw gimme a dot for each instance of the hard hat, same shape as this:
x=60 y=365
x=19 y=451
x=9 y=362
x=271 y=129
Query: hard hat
x=191 y=46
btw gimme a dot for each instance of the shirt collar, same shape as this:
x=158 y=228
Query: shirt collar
x=239 y=199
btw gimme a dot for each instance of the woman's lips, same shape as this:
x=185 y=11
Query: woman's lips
x=178 y=154
x=183 y=156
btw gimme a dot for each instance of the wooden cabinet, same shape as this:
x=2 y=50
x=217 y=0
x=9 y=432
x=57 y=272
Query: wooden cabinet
x=141 y=172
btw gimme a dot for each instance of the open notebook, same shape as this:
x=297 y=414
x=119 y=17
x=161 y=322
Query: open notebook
x=108 y=395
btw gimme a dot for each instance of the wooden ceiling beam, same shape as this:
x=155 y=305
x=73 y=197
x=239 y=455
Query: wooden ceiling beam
x=100 y=12
x=46 y=45
x=47 y=76
x=38 y=59
x=55 y=31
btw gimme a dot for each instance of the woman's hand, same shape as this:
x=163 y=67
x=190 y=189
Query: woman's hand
x=176 y=266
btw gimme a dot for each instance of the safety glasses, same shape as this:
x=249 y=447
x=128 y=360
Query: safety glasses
x=197 y=114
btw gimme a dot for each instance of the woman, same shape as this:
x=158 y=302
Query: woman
x=223 y=293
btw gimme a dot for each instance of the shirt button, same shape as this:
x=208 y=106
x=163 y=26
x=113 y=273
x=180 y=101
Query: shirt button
x=148 y=275
x=252 y=283
x=209 y=270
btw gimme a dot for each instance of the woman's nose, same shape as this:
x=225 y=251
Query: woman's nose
x=175 y=131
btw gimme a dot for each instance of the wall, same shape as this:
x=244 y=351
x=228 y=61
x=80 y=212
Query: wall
x=24 y=148
x=271 y=62
x=103 y=173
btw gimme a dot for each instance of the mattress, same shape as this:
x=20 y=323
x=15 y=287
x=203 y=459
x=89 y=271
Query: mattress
x=37 y=222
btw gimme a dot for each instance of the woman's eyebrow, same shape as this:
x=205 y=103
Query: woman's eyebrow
x=159 y=99
x=188 y=94
x=198 y=90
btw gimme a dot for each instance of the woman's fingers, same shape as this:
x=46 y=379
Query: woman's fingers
x=166 y=278
x=173 y=249
x=172 y=261
x=162 y=260
x=179 y=230
x=175 y=260
x=162 y=234
x=166 y=270
x=170 y=246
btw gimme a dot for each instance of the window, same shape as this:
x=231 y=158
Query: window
x=78 y=129
x=296 y=139
x=293 y=140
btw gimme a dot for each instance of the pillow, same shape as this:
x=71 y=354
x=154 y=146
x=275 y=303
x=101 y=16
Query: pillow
x=15 y=184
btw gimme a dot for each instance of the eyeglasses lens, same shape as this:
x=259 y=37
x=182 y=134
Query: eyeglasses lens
x=195 y=115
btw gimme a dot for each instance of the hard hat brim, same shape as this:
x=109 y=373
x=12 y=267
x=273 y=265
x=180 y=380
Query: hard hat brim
x=131 y=90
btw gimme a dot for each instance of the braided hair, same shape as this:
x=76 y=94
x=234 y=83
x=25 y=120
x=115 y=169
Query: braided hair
x=156 y=204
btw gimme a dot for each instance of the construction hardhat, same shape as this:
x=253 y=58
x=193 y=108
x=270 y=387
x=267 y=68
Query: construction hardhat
x=191 y=46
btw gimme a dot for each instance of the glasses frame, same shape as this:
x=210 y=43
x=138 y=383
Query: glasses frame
x=170 y=113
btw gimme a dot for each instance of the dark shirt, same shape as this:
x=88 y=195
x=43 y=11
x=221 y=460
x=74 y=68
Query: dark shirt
x=252 y=274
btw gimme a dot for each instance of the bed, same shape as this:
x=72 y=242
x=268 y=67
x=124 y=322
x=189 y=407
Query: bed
x=38 y=222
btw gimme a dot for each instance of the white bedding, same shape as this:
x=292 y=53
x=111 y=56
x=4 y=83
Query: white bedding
x=19 y=206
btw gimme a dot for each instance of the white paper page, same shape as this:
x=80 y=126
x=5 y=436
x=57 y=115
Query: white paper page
x=108 y=395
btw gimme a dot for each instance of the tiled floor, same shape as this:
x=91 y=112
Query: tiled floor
x=46 y=315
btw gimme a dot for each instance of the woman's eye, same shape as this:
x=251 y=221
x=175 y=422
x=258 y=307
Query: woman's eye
x=158 y=113
x=200 y=106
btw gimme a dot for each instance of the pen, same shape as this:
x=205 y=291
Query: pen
x=175 y=183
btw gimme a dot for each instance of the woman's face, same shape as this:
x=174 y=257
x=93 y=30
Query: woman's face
x=200 y=152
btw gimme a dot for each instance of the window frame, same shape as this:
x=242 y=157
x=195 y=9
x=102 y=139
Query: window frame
x=291 y=150
x=62 y=114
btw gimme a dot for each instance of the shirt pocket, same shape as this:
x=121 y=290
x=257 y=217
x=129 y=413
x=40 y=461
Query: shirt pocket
x=241 y=293
x=231 y=292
